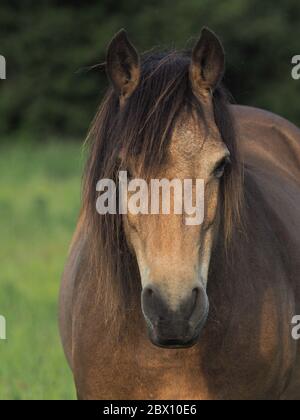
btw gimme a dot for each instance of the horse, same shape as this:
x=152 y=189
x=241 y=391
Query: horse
x=153 y=309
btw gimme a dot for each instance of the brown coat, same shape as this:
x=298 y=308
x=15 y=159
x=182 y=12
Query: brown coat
x=246 y=350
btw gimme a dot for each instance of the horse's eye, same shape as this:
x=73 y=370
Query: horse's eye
x=221 y=166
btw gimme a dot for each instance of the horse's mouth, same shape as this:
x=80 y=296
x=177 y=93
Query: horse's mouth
x=175 y=343
x=180 y=342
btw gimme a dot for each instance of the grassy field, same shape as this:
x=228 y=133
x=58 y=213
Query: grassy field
x=39 y=203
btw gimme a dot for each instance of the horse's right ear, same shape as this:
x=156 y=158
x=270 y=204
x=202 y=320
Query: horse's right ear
x=123 y=65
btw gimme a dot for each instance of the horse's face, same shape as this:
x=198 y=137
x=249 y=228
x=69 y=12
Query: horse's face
x=174 y=257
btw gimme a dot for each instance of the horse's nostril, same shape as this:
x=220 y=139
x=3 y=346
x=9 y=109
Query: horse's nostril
x=195 y=293
x=149 y=303
x=150 y=292
x=193 y=302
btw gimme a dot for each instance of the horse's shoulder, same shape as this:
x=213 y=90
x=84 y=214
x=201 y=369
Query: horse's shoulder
x=268 y=139
x=246 y=116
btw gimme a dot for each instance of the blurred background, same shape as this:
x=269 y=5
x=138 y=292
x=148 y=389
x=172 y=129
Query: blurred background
x=46 y=105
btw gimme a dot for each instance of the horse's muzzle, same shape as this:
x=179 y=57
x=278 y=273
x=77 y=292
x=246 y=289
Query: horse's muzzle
x=178 y=328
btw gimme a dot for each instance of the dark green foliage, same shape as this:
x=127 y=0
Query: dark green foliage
x=49 y=43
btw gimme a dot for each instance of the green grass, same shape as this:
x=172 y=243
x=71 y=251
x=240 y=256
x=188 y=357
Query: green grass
x=39 y=204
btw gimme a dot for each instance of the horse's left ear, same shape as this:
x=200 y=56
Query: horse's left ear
x=123 y=65
x=208 y=63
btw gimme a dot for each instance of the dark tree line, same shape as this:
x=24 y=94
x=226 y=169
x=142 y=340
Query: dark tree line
x=49 y=43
